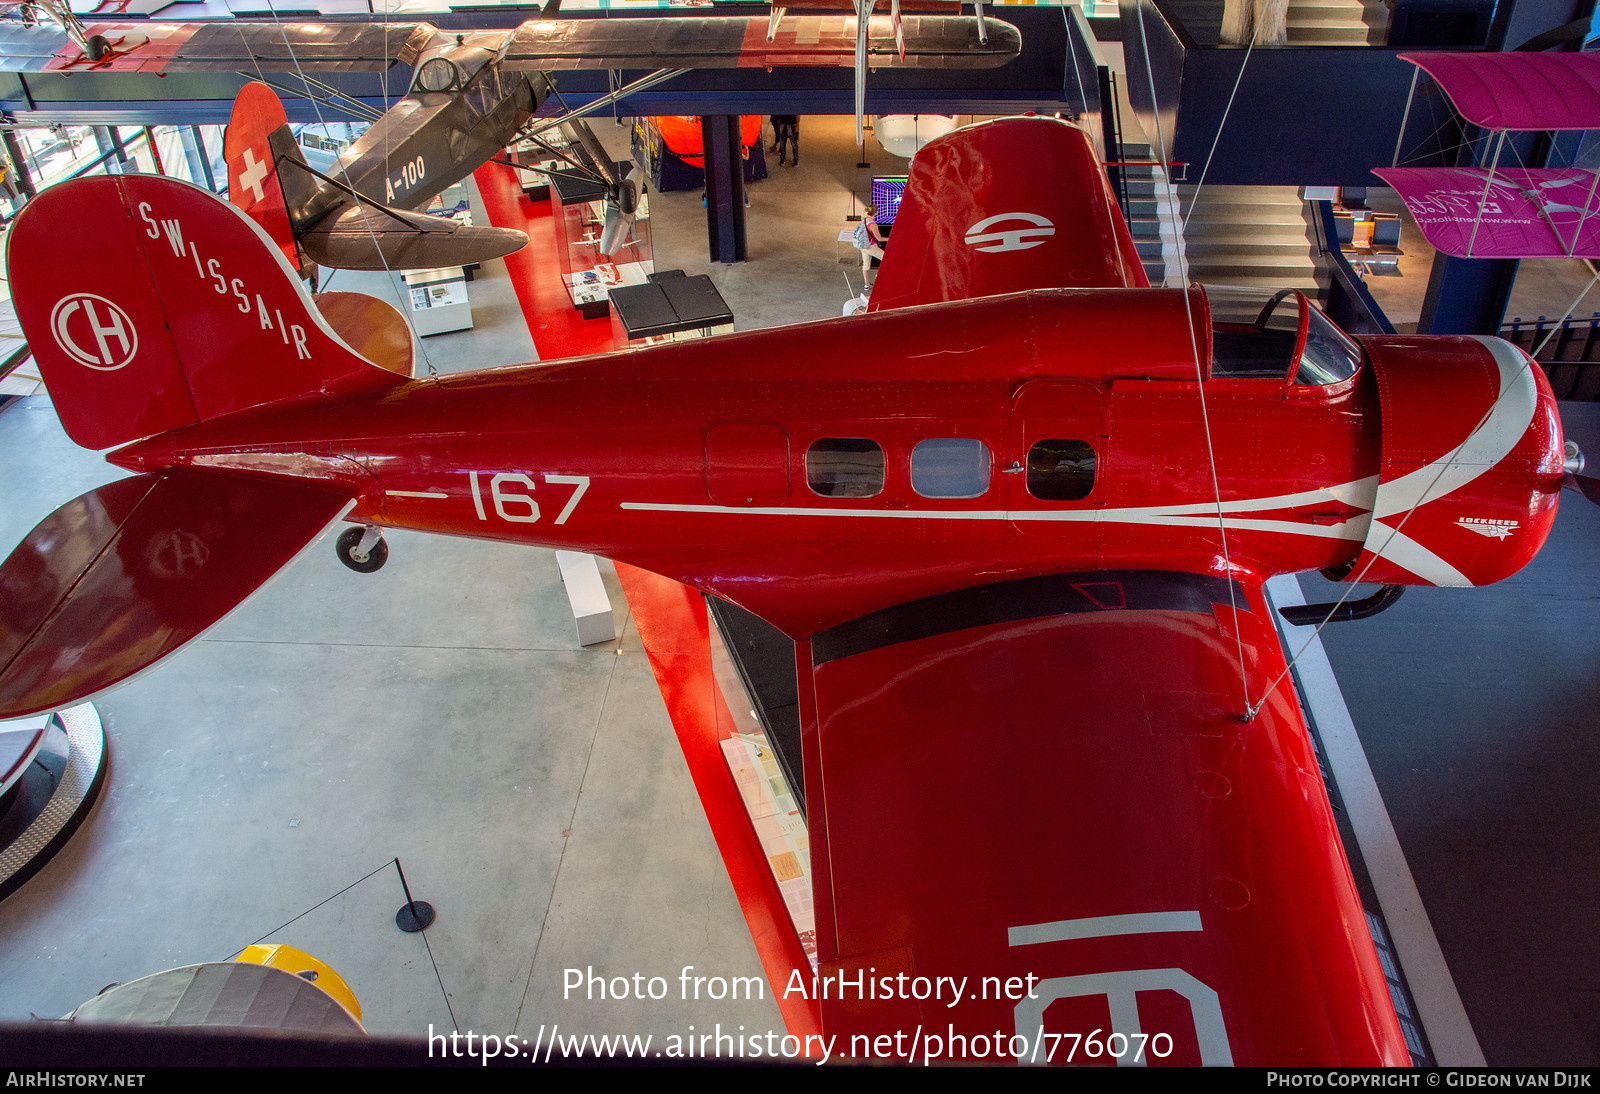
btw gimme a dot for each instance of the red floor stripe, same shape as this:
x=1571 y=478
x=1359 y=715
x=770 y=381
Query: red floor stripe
x=674 y=630
x=557 y=328
x=671 y=618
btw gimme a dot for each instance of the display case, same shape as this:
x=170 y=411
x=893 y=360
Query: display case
x=526 y=153
x=438 y=300
x=579 y=210
x=669 y=307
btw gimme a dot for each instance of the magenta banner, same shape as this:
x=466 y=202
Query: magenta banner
x=1519 y=90
x=1523 y=214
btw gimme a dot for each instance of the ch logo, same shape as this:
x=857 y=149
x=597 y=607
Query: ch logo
x=93 y=331
x=1010 y=239
x=179 y=553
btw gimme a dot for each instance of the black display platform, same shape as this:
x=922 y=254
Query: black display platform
x=669 y=304
x=572 y=187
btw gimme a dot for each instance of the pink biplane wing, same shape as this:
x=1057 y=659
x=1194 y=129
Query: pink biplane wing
x=1518 y=213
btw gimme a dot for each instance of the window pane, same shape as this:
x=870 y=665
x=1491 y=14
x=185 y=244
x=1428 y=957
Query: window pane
x=1329 y=357
x=1060 y=470
x=950 y=467
x=845 y=467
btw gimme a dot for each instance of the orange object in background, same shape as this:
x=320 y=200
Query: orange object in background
x=682 y=135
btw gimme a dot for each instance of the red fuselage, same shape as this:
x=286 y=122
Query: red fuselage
x=697 y=461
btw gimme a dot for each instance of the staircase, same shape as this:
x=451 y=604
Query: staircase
x=1311 y=22
x=1249 y=236
x=1337 y=23
x=1153 y=217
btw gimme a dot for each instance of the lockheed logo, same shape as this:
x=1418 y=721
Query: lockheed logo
x=1496 y=529
x=93 y=331
x=1013 y=238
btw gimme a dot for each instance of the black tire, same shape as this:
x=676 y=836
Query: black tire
x=98 y=47
x=346 y=545
x=628 y=197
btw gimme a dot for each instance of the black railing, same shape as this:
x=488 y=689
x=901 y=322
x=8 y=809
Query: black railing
x=1348 y=303
x=1568 y=349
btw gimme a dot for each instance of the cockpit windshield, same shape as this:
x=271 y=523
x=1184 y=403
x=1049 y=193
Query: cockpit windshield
x=1283 y=337
x=1329 y=355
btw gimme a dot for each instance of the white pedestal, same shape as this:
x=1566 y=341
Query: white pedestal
x=591 y=607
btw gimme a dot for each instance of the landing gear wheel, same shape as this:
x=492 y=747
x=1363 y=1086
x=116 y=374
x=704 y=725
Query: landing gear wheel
x=98 y=47
x=348 y=544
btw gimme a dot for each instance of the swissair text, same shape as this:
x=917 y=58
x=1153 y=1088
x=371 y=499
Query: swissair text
x=210 y=271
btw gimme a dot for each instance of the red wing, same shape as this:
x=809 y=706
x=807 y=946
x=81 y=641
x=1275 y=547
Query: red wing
x=1006 y=206
x=1048 y=783
x=118 y=578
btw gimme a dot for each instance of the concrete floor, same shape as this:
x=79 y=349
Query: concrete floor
x=440 y=711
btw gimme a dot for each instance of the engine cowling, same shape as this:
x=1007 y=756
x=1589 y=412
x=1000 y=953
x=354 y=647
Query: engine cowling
x=1471 y=462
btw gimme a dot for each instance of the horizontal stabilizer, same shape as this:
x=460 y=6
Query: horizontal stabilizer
x=371 y=238
x=118 y=578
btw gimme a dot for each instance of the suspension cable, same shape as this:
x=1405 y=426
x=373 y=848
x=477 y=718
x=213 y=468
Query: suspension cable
x=1200 y=385
x=1194 y=198
x=361 y=203
x=1422 y=499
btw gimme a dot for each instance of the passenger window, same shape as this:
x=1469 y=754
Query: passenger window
x=845 y=467
x=1060 y=470
x=950 y=467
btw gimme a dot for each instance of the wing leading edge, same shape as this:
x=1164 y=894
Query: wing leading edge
x=1046 y=785
x=1006 y=206
x=541 y=44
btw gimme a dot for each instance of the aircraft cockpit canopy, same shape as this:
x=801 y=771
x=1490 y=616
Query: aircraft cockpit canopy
x=436 y=74
x=451 y=69
x=1282 y=337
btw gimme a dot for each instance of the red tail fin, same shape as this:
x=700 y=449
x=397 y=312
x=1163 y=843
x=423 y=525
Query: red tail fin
x=252 y=168
x=149 y=305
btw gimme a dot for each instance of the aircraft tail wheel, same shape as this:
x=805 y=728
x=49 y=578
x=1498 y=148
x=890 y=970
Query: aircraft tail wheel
x=628 y=197
x=98 y=47
x=362 y=549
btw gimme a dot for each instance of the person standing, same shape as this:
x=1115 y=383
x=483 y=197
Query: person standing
x=869 y=241
x=786 y=131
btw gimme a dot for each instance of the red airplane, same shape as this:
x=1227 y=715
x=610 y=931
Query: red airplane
x=1060 y=795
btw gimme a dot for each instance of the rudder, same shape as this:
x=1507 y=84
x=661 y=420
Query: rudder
x=149 y=305
x=253 y=183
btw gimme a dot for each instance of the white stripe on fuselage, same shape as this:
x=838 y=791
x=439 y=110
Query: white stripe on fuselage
x=1186 y=515
x=1480 y=451
x=1507 y=423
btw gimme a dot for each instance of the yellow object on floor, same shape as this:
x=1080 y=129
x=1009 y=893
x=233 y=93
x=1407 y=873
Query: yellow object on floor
x=306 y=967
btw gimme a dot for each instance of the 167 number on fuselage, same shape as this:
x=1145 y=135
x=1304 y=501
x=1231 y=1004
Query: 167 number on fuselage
x=510 y=494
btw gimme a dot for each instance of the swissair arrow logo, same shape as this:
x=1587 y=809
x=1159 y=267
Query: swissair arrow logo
x=1011 y=238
